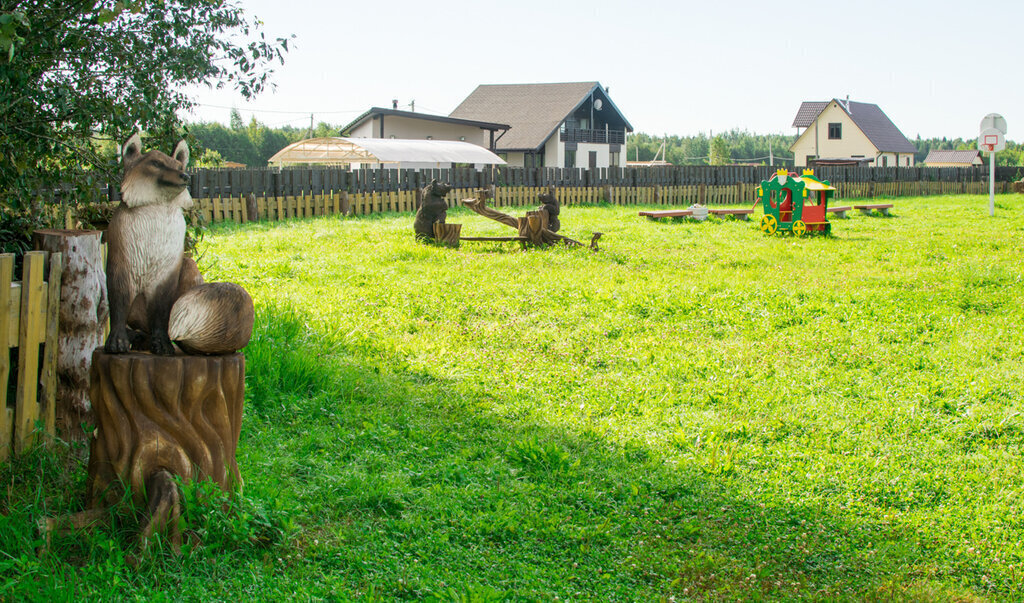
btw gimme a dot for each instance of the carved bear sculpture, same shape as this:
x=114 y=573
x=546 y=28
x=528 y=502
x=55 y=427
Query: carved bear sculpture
x=148 y=274
x=432 y=210
x=550 y=203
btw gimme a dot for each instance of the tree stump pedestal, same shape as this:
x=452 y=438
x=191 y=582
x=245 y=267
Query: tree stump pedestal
x=158 y=417
x=447 y=234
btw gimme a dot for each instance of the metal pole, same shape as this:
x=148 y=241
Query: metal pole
x=992 y=183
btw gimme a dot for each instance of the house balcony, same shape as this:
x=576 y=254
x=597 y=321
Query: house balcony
x=595 y=136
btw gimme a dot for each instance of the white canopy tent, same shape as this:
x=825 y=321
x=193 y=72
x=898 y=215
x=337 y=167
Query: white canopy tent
x=390 y=152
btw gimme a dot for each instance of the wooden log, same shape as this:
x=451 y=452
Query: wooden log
x=496 y=239
x=83 y=317
x=346 y=206
x=252 y=213
x=532 y=227
x=447 y=234
x=479 y=205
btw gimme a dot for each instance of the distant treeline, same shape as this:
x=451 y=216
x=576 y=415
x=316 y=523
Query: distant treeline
x=1012 y=155
x=740 y=147
x=724 y=148
x=250 y=143
x=254 y=143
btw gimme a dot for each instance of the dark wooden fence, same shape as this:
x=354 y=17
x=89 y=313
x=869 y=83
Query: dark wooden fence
x=296 y=182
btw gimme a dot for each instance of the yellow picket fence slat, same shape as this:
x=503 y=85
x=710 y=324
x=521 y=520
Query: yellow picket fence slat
x=28 y=322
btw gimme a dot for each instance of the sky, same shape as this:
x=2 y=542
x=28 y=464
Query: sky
x=936 y=68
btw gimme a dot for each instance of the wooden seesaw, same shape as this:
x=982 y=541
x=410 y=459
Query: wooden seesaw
x=533 y=229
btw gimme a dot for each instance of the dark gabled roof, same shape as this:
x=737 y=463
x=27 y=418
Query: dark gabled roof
x=807 y=113
x=535 y=111
x=871 y=120
x=374 y=111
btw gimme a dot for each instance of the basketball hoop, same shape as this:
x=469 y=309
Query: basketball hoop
x=991 y=140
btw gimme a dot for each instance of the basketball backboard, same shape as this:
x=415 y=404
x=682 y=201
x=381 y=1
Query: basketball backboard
x=991 y=140
x=994 y=121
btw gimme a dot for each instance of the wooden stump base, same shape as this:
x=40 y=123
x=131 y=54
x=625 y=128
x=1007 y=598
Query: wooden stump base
x=447 y=234
x=160 y=417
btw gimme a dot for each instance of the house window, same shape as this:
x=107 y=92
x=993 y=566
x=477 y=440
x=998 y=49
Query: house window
x=532 y=160
x=906 y=161
x=835 y=131
x=885 y=161
x=570 y=159
x=592 y=161
x=613 y=159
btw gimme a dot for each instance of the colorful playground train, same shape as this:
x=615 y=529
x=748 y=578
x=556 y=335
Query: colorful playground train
x=796 y=204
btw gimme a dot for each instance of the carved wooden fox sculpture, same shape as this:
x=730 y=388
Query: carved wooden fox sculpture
x=147 y=270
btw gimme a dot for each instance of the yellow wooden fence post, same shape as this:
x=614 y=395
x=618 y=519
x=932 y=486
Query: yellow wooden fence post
x=6 y=309
x=48 y=379
x=30 y=336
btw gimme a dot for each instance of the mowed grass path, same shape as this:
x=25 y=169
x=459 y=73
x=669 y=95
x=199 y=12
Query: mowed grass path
x=697 y=411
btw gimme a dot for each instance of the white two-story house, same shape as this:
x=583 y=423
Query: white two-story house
x=849 y=132
x=574 y=125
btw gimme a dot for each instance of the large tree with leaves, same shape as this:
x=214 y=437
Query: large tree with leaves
x=76 y=71
x=718 y=151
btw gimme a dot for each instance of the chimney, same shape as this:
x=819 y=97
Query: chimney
x=394 y=103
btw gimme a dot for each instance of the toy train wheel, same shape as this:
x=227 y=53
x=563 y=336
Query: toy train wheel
x=799 y=228
x=769 y=224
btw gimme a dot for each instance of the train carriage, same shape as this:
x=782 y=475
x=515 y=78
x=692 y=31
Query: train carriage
x=796 y=204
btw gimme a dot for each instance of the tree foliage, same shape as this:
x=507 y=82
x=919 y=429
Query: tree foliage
x=746 y=147
x=72 y=71
x=1012 y=155
x=741 y=147
x=255 y=143
x=718 y=152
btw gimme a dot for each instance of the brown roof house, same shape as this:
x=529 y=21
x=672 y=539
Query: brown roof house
x=552 y=125
x=953 y=159
x=851 y=133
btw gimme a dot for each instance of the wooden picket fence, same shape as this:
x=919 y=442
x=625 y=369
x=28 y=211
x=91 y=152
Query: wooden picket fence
x=236 y=209
x=914 y=189
x=28 y=322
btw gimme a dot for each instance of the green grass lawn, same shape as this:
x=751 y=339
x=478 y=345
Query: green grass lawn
x=697 y=411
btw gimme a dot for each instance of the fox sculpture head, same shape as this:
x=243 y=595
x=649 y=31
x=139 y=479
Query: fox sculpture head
x=154 y=177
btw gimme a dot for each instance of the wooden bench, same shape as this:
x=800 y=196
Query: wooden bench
x=667 y=213
x=741 y=213
x=883 y=208
x=839 y=211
